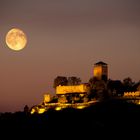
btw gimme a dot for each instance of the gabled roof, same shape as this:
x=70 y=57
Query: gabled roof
x=100 y=63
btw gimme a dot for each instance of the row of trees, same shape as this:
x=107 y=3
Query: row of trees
x=62 y=80
x=109 y=88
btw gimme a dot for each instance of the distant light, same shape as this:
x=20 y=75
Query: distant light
x=33 y=111
x=58 y=108
x=80 y=107
x=41 y=110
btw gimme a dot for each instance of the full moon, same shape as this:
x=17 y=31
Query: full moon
x=16 y=39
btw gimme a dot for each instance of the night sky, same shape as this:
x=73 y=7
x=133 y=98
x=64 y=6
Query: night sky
x=65 y=38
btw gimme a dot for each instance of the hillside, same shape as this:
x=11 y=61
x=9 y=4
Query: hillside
x=112 y=116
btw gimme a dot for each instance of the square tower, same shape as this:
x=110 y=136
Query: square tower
x=100 y=71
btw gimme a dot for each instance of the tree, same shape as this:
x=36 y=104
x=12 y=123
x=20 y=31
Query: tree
x=128 y=84
x=128 y=81
x=92 y=91
x=92 y=82
x=115 y=87
x=26 y=109
x=136 y=86
x=74 y=80
x=60 y=80
x=98 y=88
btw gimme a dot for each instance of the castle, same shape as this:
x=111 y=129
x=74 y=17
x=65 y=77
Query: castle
x=69 y=95
x=76 y=96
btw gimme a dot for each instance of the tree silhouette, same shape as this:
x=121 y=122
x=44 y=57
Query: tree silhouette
x=98 y=88
x=26 y=109
x=128 y=84
x=114 y=87
x=74 y=80
x=60 y=80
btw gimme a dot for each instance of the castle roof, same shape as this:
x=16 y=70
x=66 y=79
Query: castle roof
x=100 y=63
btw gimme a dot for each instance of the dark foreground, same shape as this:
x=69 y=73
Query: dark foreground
x=112 y=118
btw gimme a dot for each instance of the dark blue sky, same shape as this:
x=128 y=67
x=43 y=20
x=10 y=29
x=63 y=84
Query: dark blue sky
x=66 y=38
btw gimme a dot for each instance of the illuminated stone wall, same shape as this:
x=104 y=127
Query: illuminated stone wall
x=97 y=72
x=72 y=89
x=132 y=94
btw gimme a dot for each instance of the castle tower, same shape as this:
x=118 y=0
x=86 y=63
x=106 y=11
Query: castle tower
x=100 y=71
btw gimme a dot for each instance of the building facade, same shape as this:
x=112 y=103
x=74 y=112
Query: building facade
x=82 y=88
